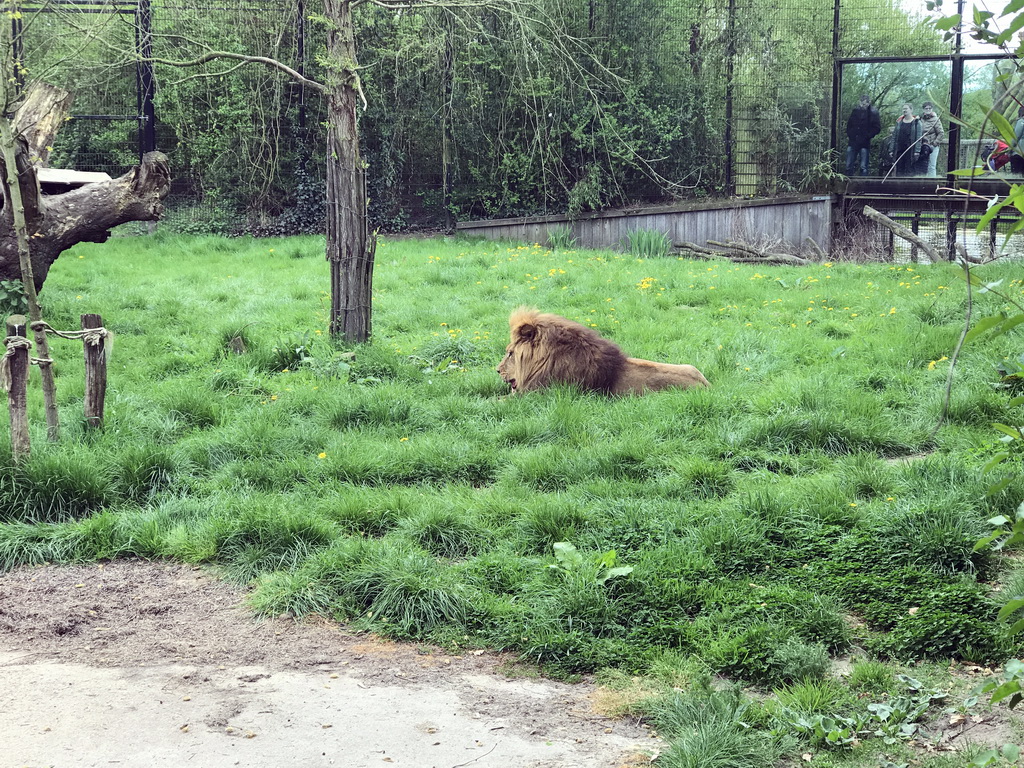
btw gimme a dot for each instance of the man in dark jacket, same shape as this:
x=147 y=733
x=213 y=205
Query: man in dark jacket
x=864 y=124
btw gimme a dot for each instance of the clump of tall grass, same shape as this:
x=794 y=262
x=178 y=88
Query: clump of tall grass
x=706 y=728
x=648 y=244
x=561 y=237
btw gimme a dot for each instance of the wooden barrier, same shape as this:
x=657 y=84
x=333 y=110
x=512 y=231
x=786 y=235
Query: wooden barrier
x=16 y=361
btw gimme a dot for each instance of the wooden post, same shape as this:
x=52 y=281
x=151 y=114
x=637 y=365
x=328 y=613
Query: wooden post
x=17 y=397
x=95 y=372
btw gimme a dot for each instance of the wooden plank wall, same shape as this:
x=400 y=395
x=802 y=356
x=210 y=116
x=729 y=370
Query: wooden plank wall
x=785 y=224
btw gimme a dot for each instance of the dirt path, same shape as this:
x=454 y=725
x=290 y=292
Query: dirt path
x=148 y=664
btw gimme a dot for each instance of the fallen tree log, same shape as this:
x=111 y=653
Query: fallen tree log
x=902 y=232
x=86 y=214
x=743 y=253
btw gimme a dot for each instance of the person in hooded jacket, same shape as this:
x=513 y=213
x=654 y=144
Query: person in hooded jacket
x=862 y=126
x=907 y=144
x=932 y=135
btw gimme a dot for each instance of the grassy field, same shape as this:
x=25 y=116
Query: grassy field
x=801 y=510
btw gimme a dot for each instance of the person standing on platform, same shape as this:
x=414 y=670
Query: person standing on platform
x=932 y=136
x=862 y=126
x=907 y=149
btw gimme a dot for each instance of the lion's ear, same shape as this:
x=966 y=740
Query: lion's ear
x=526 y=332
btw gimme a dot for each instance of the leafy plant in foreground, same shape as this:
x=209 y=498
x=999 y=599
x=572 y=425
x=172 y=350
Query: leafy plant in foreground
x=569 y=560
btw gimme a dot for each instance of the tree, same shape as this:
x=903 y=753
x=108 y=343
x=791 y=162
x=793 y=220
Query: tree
x=35 y=229
x=350 y=245
x=54 y=223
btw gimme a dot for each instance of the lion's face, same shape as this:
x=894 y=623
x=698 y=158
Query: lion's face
x=508 y=367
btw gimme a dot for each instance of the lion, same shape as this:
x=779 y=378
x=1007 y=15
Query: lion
x=548 y=349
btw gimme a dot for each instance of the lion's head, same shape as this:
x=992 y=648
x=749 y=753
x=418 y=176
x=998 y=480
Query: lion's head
x=547 y=349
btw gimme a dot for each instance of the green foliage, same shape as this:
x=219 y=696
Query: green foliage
x=445 y=532
x=795 y=510
x=895 y=719
x=406 y=594
x=707 y=730
x=561 y=237
x=871 y=677
x=648 y=244
x=569 y=561
x=12 y=298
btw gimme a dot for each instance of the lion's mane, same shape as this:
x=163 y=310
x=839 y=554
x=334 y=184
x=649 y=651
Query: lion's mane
x=547 y=349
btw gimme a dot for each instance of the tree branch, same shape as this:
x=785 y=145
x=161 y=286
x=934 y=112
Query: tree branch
x=272 y=63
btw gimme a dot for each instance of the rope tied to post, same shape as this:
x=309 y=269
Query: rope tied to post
x=91 y=336
x=12 y=343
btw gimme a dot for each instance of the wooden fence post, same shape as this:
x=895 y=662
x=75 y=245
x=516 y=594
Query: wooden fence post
x=17 y=396
x=95 y=372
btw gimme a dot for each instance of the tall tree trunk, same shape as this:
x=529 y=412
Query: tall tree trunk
x=350 y=247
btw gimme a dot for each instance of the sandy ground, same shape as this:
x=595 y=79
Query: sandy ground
x=149 y=664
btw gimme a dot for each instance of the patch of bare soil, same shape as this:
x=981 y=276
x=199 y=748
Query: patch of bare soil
x=135 y=663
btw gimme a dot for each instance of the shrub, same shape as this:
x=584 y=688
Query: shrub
x=12 y=298
x=256 y=537
x=707 y=730
x=142 y=470
x=767 y=655
x=550 y=521
x=936 y=634
x=939 y=538
x=53 y=487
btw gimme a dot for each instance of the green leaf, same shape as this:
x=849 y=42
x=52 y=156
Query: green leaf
x=995 y=461
x=975 y=171
x=1003 y=126
x=994 y=210
x=980 y=545
x=1012 y=323
x=1012 y=7
x=1006 y=689
x=948 y=22
x=999 y=485
x=984 y=759
x=1012 y=606
x=984 y=325
x=1011 y=753
x=1013 y=432
x=1016 y=628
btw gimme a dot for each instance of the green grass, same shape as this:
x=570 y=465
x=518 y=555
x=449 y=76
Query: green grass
x=799 y=508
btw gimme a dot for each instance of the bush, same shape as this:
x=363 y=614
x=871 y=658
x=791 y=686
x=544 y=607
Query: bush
x=767 y=655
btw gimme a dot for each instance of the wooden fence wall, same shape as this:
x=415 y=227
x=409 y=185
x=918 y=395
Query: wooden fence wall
x=784 y=223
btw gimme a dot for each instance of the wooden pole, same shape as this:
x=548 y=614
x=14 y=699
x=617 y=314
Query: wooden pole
x=14 y=196
x=95 y=372
x=17 y=397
